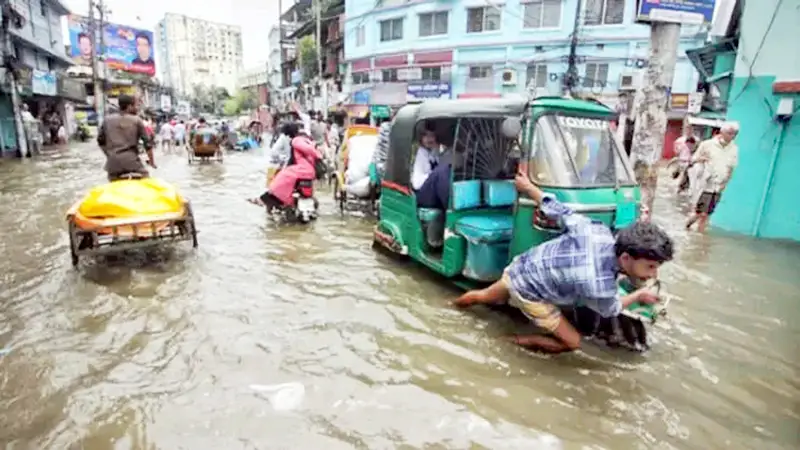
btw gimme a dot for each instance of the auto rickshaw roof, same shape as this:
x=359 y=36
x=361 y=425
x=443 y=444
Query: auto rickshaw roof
x=574 y=105
x=489 y=107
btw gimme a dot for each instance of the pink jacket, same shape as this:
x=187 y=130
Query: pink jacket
x=305 y=154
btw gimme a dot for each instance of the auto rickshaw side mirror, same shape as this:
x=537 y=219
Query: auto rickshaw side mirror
x=511 y=127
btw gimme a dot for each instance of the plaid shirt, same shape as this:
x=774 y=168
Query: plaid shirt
x=578 y=267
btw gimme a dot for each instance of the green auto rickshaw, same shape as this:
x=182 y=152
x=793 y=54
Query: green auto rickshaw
x=570 y=152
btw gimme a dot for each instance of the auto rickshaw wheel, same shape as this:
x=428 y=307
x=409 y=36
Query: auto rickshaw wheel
x=73 y=243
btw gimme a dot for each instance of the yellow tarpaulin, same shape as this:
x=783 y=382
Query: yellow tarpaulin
x=131 y=198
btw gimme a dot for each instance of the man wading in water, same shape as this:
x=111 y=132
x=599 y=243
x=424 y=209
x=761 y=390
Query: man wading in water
x=580 y=266
x=119 y=138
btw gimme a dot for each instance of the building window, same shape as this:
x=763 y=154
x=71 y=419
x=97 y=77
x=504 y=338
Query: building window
x=389 y=75
x=43 y=8
x=431 y=74
x=604 y=12
x=433 y=24
x=391 y=30
x=361 y=36
x=536 y=75
x=542 y=14
x=360 y=77
x=486 y=18
x=478 y=72
x=596 y=75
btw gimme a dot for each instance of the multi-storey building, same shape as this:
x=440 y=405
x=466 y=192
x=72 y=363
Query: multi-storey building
x=256 y=80
x=404 y=49
x=198 y=52
x=281 y=48
x=39 y=61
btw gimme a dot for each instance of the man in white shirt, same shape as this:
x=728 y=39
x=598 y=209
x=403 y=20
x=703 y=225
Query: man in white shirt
x=305 y=118
x=166 y=136
x=720 y=155
x=179 y=132
x=430 y=180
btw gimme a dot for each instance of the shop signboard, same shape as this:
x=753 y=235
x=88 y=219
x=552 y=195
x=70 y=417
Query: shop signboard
x=71 y=89
x=686 y=12
x=43 y=83
x=24 y=80
x=296 y=77
x=428 y=90
x=380 y=111
x=166 y=102
x=124 y=48
x=361 y=97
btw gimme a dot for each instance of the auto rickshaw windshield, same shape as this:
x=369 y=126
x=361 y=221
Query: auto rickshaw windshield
x=570 y=151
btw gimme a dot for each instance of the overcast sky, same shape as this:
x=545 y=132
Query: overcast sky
x=255 y=17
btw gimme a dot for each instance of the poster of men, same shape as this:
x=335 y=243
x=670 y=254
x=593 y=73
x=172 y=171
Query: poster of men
x=124 y=48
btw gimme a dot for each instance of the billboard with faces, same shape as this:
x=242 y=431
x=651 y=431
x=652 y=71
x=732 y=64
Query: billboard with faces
x=124 y=47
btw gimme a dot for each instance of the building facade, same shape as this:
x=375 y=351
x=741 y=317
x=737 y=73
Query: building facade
x=39 y=61
x=281 y=48
x=764 y=97
x=198 y=52
x=406 y=49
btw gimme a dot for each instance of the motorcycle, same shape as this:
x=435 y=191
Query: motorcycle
x=83 y=133
x=304 y=205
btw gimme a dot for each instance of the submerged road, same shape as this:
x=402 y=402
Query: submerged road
x=287 y=337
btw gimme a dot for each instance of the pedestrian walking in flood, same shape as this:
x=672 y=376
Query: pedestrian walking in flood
x=719 y=157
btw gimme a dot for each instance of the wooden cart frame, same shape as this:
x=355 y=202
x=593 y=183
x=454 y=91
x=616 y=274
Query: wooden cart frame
x=198 y=150
x=133 y=234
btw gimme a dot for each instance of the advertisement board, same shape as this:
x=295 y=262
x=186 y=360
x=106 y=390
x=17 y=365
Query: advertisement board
x=687 y=12
x=124 y=48
x=421 y=90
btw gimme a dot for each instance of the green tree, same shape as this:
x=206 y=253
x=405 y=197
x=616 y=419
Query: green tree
x=307 y=51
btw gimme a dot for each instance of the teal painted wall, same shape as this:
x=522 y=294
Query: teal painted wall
x=769 y=165
x=763 y=197
x=8 y=131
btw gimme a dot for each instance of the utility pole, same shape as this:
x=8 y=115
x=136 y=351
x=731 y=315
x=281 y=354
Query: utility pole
x=98 y=46
x=650 y=107
x=9 y=15
x=321 y=83
x=571 y=77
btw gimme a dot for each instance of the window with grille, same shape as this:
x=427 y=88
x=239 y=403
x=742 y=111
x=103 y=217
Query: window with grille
x=389 y=75
x=391 y=30
x=360 y=77
x=542 y=13
x=486 y=18
x=433 y=24
x=604 y=12
x=478 y=72
x=536 y=75
x=431 y=74
x=596 y=75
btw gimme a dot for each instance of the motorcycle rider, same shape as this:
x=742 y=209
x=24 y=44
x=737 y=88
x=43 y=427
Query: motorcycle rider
x=299 y=165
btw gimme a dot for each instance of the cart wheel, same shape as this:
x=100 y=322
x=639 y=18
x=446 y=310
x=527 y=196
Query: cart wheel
x=73 y=244
x=192 y=228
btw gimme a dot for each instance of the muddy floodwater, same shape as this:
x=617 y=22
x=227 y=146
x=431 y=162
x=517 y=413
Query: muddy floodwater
x=271 y=337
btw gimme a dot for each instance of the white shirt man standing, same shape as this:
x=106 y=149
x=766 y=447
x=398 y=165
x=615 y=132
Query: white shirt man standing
x=720 y=155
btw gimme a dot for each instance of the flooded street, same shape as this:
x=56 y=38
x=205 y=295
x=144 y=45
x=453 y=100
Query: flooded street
x=290 y=337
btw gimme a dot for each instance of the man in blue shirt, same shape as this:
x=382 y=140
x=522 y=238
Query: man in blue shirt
x=579 y=267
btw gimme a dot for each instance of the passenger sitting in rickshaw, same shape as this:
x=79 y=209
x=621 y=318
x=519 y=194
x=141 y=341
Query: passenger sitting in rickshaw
x=578 y=268
x=430 y=178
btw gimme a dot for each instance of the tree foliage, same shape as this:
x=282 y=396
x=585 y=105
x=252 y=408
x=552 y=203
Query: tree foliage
x=244 y=100
x=209 y=100
x=307 y=51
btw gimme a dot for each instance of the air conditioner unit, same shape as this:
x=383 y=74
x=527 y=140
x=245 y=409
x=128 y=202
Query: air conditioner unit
x=509 y=77
x=630 y=81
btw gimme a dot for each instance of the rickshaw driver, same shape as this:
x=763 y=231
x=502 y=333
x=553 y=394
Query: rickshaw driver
x=581 y=265
x=429 y=178
x=119 y=138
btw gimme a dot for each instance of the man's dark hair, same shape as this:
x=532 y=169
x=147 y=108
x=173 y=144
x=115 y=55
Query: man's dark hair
x=290 y=129
x=644 y=240
x=201 y=120
x=125 y=102
x=82 y=35
x=143 y=35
